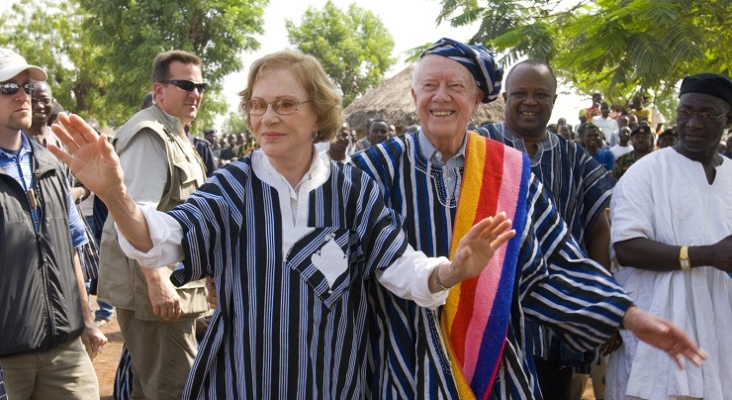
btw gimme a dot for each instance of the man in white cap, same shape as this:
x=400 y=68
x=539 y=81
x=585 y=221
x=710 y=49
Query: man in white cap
x=48 y=333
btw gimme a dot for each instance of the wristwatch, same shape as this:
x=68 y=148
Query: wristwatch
x=684 y=260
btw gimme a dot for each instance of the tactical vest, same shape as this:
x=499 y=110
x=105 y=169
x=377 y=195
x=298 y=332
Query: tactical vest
x=121 y=281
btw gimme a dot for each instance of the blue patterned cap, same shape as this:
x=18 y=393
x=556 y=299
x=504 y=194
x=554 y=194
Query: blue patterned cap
x=477 y=59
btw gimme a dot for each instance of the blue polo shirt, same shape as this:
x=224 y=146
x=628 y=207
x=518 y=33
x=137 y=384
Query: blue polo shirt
x=19 y=165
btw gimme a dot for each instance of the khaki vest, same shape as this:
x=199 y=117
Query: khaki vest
x=121 y=282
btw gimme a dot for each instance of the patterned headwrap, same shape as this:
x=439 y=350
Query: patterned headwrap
x=477 y=59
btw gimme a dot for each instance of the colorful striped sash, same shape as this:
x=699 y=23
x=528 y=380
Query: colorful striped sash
x=475 y=317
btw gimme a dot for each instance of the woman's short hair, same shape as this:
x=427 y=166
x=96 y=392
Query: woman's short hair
x=324 y=97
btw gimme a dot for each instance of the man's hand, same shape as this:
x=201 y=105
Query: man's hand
x=93 y=339
x=163 y=296
x=477 y=248
x=211 y=295
x=663 y=335
x=90 y=156
x=611 y=344
x=165 y=300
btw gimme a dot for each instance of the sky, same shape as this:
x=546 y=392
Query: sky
x=410 y=22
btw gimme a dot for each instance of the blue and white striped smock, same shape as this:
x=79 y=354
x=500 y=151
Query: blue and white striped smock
x=283 y=329
x=407 y=360
x=581 y=189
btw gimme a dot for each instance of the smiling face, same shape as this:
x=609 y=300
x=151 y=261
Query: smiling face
x=285 y=139
x=698 y=140
x=446 y=97
x=592 y=139
x=42 y=103
x=342 y=139
x=530 y=95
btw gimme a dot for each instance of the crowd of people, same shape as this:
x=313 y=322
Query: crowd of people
x=444 y=260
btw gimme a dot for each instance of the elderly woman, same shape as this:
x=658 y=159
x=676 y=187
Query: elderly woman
x=291 y=239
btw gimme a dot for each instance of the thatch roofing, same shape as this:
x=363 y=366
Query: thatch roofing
x=393 y=102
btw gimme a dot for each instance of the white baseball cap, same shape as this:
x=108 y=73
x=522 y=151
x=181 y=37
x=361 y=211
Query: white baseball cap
x=11 y=64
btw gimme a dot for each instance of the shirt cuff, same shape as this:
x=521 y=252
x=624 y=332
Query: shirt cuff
x=166 y=235
x=409 y=278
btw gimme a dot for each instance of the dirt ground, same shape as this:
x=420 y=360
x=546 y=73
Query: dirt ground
x=106 y=363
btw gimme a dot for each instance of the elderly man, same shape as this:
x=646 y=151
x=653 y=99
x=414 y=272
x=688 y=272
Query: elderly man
x=440 y=179
x=161 y=169
x=580 y=189
x=46 y=322
x=672 y=235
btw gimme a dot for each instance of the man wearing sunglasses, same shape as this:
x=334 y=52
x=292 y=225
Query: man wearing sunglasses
x=46 y=324
x=161 y=169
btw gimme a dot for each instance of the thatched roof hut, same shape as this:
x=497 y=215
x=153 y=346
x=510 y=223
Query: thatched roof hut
x=392 y=102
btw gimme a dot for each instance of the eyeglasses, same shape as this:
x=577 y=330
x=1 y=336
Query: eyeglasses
x=187 y=85
x=704 y=116
x=282 y=106
x=12 y=88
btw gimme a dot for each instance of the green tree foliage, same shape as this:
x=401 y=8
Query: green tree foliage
x=48 y=33
x=353 y=46
x=132 y=32
x=99 y=53
x=233 y=124
x=617 y=47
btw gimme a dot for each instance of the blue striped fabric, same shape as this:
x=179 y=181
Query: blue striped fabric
x=580 y=189
x=280 y=331
x=3 y=394
x=88 y=252
x=123 y=377
x=579 y=186
x=408 y=360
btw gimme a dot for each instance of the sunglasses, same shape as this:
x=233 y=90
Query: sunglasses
x=187 y=85
x=12 y=88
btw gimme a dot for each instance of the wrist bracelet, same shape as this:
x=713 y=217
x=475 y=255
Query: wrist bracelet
x=437 y=278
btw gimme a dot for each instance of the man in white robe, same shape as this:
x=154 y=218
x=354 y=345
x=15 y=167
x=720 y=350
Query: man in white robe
x=672 y=234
